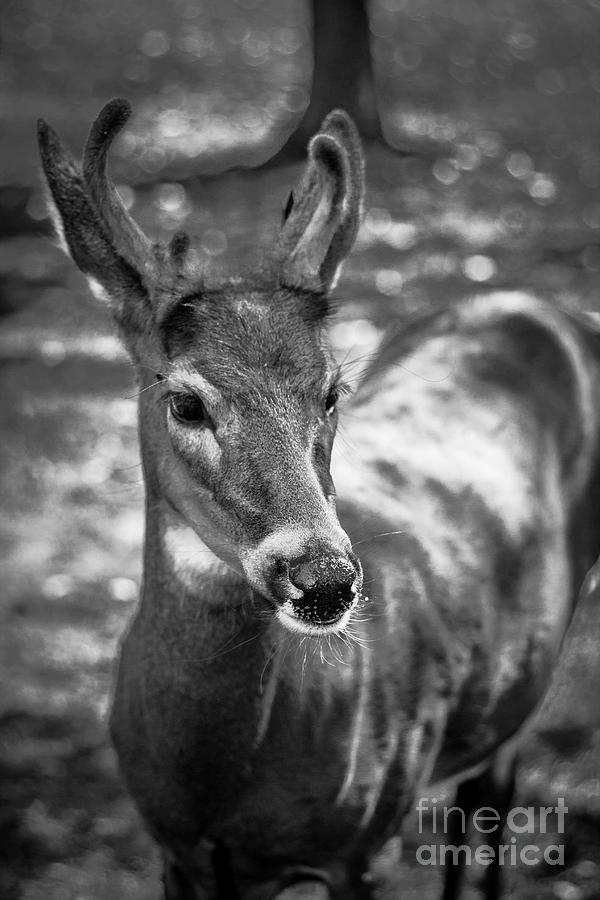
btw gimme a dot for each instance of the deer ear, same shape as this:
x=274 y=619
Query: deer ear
x=94 y=226
x=323 y=217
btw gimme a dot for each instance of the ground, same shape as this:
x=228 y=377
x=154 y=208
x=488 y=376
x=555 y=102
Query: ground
x=503 y=191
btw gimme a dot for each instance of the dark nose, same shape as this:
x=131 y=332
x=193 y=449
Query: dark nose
x=328 y=585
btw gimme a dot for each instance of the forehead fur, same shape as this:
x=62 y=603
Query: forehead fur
x=263 y=335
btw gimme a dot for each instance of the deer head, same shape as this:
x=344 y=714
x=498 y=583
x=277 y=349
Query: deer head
x=239 y=419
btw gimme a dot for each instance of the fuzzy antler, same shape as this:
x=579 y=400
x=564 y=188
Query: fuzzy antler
x=131 y=240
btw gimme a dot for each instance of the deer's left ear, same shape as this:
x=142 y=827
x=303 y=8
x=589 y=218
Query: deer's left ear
x=325 y=209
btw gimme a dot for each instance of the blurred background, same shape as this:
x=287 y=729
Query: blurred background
x=482 y=127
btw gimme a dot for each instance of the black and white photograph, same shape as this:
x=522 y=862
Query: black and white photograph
x=300 y=450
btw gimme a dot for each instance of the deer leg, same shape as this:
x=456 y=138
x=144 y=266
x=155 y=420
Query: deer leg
x=339 y=883
x=500 y=788
x=466 y=799
x=307 y=889
x=182 y=882
x=176 y=883
x=494 y=788
x=224 y=876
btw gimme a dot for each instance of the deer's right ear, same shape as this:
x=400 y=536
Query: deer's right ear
x=323 y=213
x=95 y=228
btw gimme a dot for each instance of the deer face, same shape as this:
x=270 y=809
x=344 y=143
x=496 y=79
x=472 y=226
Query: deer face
x=240 y=414
x=248 y=404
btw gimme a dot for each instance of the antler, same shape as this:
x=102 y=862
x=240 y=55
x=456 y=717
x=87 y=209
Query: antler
x=96 y=226
x=129 y=238
x=104 y=241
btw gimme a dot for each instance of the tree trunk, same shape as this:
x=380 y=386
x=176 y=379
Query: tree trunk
x=342 y=72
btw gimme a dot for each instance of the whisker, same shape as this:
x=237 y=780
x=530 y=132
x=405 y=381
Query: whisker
x=270 y=657
x=375 y=536
x=322 y=653
x=224 y=650
x=305 y=657
x=356 y=360
x=148 y=368
x=143 y=390
x=360 y=640
x=335 y=652
x=341 y=638
x=424 y=378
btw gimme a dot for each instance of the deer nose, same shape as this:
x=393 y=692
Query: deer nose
x=328 y=583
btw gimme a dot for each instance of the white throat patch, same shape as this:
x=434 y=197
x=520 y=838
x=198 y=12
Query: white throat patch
x=192 y=561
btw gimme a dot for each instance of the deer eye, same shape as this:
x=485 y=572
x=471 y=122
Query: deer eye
x=331 y=400
x=187 y=409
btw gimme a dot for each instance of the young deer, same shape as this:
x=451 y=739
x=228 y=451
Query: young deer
x=273 y=724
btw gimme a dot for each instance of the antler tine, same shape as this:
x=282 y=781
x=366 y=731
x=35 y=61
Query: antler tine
x=128 y=236
x=178 y=248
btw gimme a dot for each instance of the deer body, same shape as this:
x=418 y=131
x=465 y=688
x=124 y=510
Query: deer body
x=280 y=705
x=242 y=736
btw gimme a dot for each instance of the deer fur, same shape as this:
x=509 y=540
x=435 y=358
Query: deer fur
x=273 y=735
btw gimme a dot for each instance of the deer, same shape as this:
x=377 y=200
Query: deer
x=327 y=627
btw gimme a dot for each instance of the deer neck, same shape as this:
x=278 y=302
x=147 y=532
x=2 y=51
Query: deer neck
x=188 y=592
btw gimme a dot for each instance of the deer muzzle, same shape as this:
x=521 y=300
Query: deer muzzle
x=314 y=583
x=327 y=583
